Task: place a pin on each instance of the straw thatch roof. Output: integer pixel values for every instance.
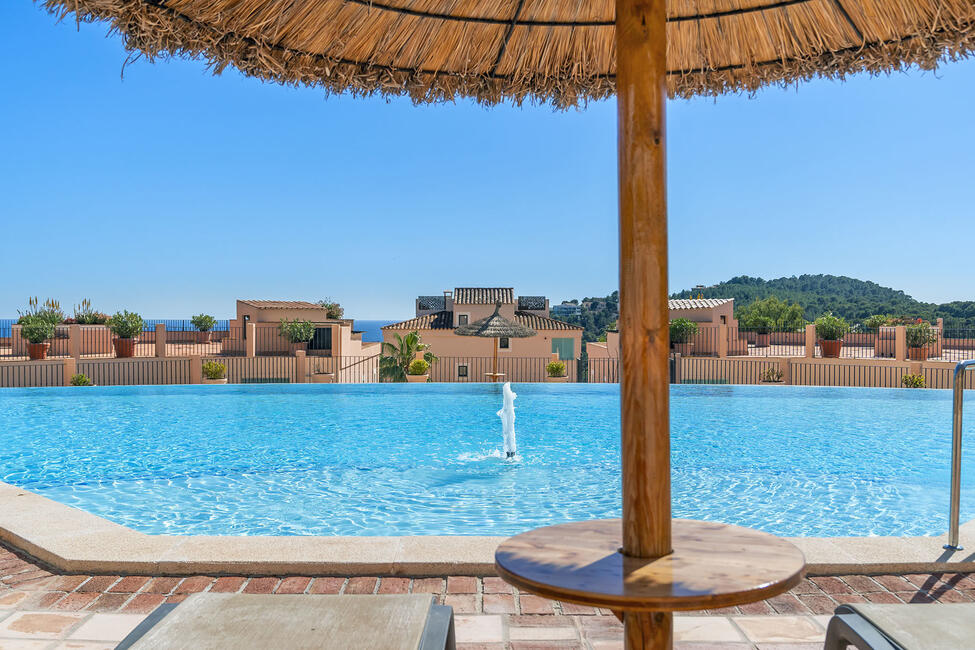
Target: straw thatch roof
(548, 50)
(495, 326)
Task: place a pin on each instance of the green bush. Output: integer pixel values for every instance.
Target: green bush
(555, 369)
(878, 320)
(784, 316)
(203, 322)
(36, 329)
(913, 381)
(682, 330)
(920, 334)
(418, 367)
(830, 327)
(214, 370)
(297, 331)
(84, 314)
(50, 311)
(772, 374)
(81, 379)
(332, 308)
(761, 324)
(126, 324)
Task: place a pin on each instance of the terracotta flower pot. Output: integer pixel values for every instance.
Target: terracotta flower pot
(124, 348)
(557, 380)
(37, 351)
(831, 349)
(684, 349)
(763, 340)
(918, 354)
(417, 379)
(214, 381)
(203, 337)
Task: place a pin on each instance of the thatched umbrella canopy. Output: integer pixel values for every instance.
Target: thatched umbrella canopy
(566, 52)
(495, 327)
(553, 50)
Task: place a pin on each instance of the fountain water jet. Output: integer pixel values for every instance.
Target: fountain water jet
(507, 415)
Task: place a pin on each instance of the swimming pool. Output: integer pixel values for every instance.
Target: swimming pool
(413, 459)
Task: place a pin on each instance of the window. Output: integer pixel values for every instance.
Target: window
(565, 348)
(724, 320)
(504, 343)
(462, 371)
(462, 320)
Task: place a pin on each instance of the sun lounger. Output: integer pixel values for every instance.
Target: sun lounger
(902, 627)
(233, 621)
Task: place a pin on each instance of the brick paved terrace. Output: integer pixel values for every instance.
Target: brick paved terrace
(42, 610)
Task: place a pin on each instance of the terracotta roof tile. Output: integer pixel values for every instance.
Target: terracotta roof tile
(483, 295)
(697, 303)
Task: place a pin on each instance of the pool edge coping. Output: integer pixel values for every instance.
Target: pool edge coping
(70, 540)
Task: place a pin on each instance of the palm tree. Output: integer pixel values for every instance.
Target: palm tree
(398, 356)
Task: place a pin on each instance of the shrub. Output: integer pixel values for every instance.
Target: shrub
(81, 379)
(36, 328)
(126, 324)
(555, 369)
(214, 370)
(878, 320)
(772, 374)
(50, 311)
(332, 308)
(913, 381)
(761, 324)
(920, 334)
(85, 315)
(297, 331)
(418, 367)
(682, 330)
(830, 327)
(203, 322)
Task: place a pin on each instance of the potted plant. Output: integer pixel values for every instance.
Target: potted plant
(920, 336)
(126, 326)
(772, 375)
(418, 371)
(214, 373)
(204, 324)
(682, 331)
(830, 331)
(555, 371)
(763, 326)
(37, 330)
(297, 332)
(84, 314)
(81, 379)
(397, 357)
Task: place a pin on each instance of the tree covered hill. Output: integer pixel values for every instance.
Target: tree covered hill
(850, 298)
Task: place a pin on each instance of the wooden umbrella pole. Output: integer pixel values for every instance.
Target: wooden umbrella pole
(641, 84)
(494, 367)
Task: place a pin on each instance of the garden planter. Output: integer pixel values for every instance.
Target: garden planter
(684, 349)
(295, 347)
(831, 349)
(37, 351)
(918, 354)
(214, 381)
(557, 380)
(323, 378)
(417, 379)
(124, 348)
(203, 337)
(763, 340)
(771, 382)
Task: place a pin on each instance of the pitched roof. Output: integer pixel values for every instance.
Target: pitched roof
(537, 322)
(483, 295)
(697, 303)
(441, 320)
(281, 304)
(531, 302)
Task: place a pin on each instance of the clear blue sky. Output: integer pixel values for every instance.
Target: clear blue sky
(173, 192)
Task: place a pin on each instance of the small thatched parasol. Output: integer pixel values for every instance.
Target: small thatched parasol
(567, 52)
(495, 327)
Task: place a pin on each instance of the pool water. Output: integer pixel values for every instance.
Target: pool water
(409, 459)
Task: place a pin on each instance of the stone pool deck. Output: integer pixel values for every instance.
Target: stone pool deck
(40, 609)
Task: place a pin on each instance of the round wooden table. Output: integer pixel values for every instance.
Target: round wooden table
(712, 565)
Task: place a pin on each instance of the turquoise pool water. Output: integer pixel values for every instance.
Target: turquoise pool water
(408, 459)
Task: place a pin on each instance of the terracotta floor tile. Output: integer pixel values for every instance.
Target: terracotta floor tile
(227, 584)
(761, 608)
(571, 609)
(361, 585)
(261, 586)
(461, 585)
(462, 603)
(98, 584)
(67, 583)
(293, 585)
(108, 603)
(816, 604)
(194, 585)
(129, 585)
(75, 601)
(326, 585)
(883, 597)
(492, 585)
(862, 584)
(499, 603)
(535, 604)
(428, 585)
(894, 583)
(161, 586)
(143, 603)
(394, 586)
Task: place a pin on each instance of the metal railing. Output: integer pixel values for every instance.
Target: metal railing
(957, 401)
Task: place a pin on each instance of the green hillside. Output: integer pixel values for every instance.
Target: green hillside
(850, 298)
